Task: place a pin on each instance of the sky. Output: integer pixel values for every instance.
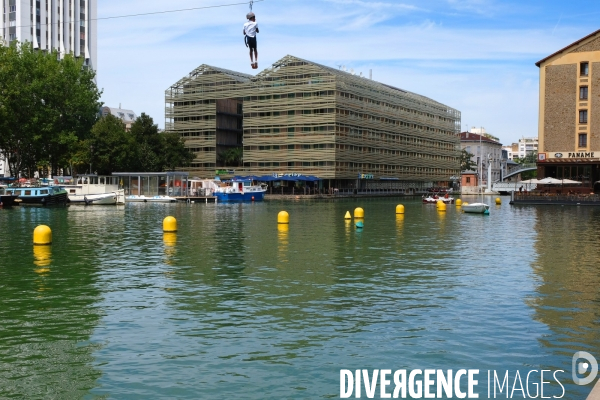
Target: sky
(477, 56)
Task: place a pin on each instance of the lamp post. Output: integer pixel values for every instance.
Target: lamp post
(91, 152)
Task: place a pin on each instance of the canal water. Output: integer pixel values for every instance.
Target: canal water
(233, 306)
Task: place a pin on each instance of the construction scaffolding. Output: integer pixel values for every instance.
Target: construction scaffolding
(301, 117)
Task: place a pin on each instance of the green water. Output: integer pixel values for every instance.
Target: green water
(233, 307)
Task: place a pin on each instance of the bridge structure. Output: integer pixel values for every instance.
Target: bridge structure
(522, 168)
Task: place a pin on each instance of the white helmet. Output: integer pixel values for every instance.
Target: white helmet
(250, 15)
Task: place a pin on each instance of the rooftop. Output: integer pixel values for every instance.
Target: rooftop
(474, 137)
(567, 47)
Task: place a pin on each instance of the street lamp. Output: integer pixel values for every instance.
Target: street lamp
(91, 151)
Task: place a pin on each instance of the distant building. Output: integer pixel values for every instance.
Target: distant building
(526, 146)
(300, 117)
(66, 26)
(569, 120)
(3, 166)
(469, 182)
(127, 116)
(483, 148)
(512, 151)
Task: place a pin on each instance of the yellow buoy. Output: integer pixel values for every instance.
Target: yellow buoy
(399, 209)
(359, 212)
(283, 217)
(42, 235)
(458, 202)
(441, 206)
(347, 216)
(169, 224)
(465, 204)
(498, 201)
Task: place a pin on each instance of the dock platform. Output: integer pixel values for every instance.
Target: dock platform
(197, 199)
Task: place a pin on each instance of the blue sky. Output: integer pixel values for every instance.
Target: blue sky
(477, 56)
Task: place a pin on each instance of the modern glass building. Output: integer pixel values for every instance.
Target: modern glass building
(300, 117)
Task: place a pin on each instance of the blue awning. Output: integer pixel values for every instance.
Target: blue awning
(287, 178)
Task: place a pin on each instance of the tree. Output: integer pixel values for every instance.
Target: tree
(530, 158)
(231, 157)
(175, 154)
(47, 105)
(110, 148)
(157, 151)
(466, 161)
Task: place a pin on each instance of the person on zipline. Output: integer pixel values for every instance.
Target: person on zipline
(250, 31)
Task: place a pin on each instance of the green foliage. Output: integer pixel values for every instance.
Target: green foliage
(466, 162)
(175, 154)
(530, 158)
(110, 148)
(157, 151)
(47, 106)
(231, 157)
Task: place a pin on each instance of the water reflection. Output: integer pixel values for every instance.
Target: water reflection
(169, 241)
(47, 312)
(42, 257)
(283, 242)
(231, 304)
(566, 297)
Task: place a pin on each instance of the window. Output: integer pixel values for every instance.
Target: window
(584, 69)
(583, 140)
(583, 93)
(468, 179)
(583, 116)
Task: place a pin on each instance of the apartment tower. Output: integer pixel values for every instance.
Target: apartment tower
(68, 26)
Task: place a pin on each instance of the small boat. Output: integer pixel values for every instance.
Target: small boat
(240, 190)
(94, 199)
(435, 199)
(475, 208)
(43, 196)
(149, 199)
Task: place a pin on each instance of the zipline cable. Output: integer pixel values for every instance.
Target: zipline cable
(148, 13)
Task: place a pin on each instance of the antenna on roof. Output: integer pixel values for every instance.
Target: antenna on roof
(340, 66)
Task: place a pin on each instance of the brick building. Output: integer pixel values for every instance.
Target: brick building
(569, 112)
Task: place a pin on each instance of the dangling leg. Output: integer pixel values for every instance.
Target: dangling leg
(251, 58)
(256, 58)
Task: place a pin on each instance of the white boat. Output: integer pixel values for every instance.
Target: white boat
(481, 207)
(92, 189)
(149, 199)
(475, 208)
(240, 190)
(96, 199)
(435, 199)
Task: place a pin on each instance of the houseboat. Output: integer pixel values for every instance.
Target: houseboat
(44, 195)
(6, 200)
(92, 189)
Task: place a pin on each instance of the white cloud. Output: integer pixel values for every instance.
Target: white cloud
(485, 70)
